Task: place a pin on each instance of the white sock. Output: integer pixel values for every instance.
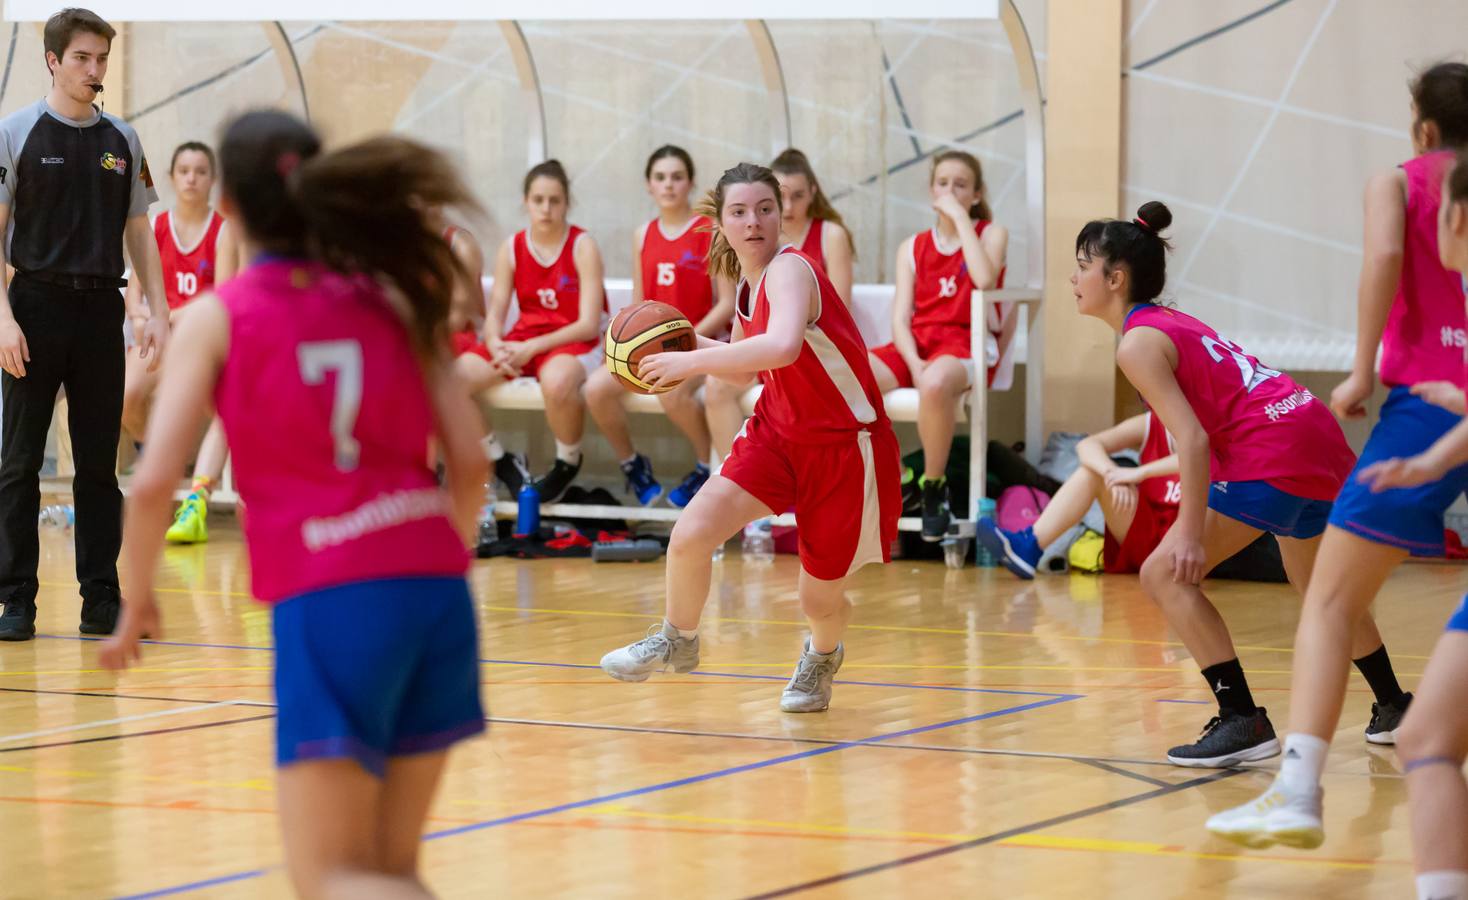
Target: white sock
(1442, 885)
(624, 463)
(1304, 760)
(569, 453)
(685, 635)
(492, 448)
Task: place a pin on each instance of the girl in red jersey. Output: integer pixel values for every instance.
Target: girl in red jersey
(198, 249)
(351, 539)
(818, 441)
(554, 272)
(811, 224)
(1139, 502)
(937, 271)
(669, 264)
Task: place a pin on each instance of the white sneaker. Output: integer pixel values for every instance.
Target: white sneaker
(1276, 816)
(661, 650)
(809, 689)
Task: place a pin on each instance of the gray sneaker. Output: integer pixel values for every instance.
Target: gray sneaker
(809, 689)
(661, 650)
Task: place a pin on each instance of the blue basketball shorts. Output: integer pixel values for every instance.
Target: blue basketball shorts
(1268, 508)
(1410, 518)
(376, 669)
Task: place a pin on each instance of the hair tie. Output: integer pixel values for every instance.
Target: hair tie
(287, 162)
(1142, 222)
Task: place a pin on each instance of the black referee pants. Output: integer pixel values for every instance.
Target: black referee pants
(75, 339)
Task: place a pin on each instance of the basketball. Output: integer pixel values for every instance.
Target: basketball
(643, 329)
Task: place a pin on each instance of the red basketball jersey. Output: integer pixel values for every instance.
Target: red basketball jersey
(549, 295)
(829, 391)
(941, 285)
(675, 270)
(813, 246)
(187, 272)
(1164, 490)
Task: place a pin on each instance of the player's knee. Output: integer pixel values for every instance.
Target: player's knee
(1156, 576)
(1420, 739)
(937, 385)
(719, 393)
(692, 536)
(820, 604)
(680, 401)
(603, 391)
(561, 388)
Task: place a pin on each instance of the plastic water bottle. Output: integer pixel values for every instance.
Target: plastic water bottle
(982, 557)
(759, 544)
(528, 520)
(62, 516)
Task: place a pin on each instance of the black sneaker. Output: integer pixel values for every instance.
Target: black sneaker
(640, 481)
(18, 623)
(1228, 740)
(936, 514)
(1386, 718)
(912, 495)
(99, 614)
(554, 484)
(512, 471)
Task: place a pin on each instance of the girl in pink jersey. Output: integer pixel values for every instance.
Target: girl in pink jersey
(1433, 739)
(1414, 308)
(669, 264)
(937, 272)
(1256, 452)
(819, 442)
(340, 323)
(812, 224)
(553, 271)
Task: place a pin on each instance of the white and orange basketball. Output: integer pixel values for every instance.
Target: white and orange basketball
(643, 329)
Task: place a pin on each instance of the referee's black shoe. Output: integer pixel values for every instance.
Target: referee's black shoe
(99, 614)
(18, 623)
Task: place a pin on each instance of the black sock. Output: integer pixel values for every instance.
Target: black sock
(1376, 668)
(1230, 687)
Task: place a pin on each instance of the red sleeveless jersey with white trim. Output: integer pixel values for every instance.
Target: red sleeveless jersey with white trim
(186, 273)
(549, 296)
(1164, 490)
(675, 270)
(813, 245)
(941, 284)
(829, 391)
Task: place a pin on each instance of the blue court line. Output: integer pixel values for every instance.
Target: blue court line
(649, 789)
(703, 674)
(1198, 702)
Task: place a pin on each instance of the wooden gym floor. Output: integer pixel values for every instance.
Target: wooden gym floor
(988, 737)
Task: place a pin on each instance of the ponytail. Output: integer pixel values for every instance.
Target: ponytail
(794, 162)
(361, 209)
(723, 262)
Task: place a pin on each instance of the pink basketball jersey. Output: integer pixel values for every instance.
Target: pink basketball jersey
(1427, 328)
(829, 391)
(329, 421)
(1261, 425)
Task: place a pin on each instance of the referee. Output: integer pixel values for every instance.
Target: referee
(73, 188)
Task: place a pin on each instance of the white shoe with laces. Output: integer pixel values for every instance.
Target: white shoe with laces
(1277, 816)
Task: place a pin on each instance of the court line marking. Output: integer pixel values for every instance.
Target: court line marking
(1101, 845)
(996, 837)
(649, 789)
(1117, 770)
(121, 720)
(133, 734)
(912, 629)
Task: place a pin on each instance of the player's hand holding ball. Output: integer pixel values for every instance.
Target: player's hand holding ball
(647, 347)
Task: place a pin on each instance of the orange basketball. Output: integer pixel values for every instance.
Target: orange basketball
(643, 329)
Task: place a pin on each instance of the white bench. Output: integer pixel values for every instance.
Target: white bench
(872, 308)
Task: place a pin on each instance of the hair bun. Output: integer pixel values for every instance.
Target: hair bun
(1154, 216)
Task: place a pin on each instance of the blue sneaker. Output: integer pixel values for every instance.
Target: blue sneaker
(640, 481)
(682, 495)
(1017, 550)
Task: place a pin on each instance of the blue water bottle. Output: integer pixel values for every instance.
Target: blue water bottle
(982, 557)
(527, 522)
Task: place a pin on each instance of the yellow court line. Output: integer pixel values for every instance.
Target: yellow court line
(254, 784)
(1098, 845)
(143, 669)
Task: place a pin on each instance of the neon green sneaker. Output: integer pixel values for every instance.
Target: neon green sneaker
(189, 525)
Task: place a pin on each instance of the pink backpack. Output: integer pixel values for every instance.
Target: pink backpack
(1019, 506)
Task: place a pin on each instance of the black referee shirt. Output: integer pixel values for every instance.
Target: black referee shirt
(71, 186)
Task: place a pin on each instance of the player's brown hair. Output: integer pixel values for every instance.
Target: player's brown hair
(723, 262)
(361, 209)
(794, 162)
(980, 210)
